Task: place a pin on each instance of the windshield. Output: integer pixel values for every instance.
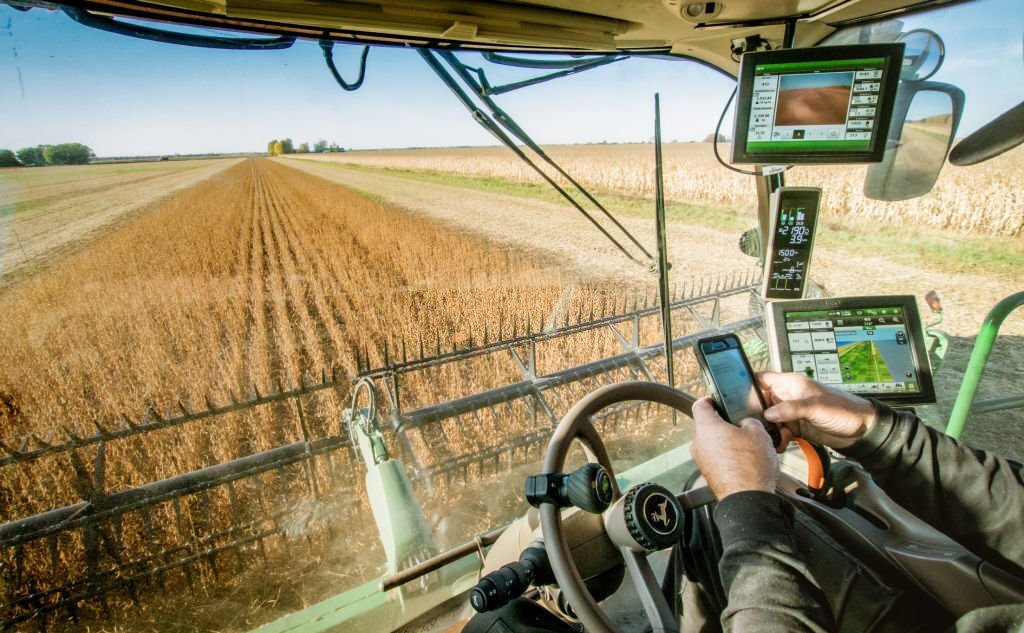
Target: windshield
(203, 252)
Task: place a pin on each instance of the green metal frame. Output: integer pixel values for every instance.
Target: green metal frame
(976, 367)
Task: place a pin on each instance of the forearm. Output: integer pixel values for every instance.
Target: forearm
(974, 497)
(768, 586)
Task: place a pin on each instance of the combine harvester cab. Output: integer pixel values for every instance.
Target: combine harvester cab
(477, 493)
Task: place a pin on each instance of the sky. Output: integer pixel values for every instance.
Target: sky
(63, 82)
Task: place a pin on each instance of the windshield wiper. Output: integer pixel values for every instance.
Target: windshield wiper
(138, 31)
(500, 125)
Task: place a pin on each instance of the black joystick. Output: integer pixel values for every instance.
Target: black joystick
(499, 587)
(588, 488)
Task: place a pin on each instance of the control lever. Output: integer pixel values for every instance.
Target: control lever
(587, 488)
(499, 587)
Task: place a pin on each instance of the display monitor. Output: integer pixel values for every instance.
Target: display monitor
(816, 105)
(870, 346)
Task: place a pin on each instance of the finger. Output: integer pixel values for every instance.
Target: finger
(790, 411)
(750, 423)
(754, 428)
(773, 380)
(785, 437)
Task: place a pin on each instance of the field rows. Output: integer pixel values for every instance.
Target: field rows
(256, 276)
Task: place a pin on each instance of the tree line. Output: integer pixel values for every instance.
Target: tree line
(285, 146)
(42, 155)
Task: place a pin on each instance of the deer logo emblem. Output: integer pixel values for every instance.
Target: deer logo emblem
(661, 516)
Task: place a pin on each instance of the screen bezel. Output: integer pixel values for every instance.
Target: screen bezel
(893, 54)
(915, 333)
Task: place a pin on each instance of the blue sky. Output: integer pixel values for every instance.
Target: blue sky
(60, 81)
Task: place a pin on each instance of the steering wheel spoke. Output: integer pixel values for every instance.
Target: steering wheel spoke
(659, 612)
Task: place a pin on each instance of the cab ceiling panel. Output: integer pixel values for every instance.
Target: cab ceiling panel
(503, 23)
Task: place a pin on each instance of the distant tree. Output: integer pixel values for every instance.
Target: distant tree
(47, 151)
(8, 159)
(722, 138)
(278, 148)
(334, 147)
(320, 146)
(287, 147)
(270, 147)
(303, 148)
(31, 156)
(68, 154)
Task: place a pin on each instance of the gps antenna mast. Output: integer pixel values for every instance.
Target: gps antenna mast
(663, 265)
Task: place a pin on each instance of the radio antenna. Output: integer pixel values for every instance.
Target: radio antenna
(663, 265)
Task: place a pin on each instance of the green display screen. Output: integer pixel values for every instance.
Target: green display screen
(825, 106)
(861, 350)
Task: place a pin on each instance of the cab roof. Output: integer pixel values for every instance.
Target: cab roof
(700, 30)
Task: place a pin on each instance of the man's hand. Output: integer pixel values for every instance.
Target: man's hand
(807, 409)
(732, 459)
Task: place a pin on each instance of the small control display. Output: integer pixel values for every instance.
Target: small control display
(794, 222)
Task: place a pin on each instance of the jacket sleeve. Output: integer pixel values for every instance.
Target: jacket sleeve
(975, 498)
(768, 586)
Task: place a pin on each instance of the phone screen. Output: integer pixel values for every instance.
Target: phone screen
(736, 390)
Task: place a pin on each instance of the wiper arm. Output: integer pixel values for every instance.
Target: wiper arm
(498, 121)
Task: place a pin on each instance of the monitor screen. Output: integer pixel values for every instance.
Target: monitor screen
(816, 105)
(871, 346)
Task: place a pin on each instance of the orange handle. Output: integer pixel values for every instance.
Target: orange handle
(815, 469)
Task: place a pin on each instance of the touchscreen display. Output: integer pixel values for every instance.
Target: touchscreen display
(827, 105)
(735, 385)
(862, 350)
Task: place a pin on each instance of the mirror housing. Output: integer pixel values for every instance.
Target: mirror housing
(916, 147)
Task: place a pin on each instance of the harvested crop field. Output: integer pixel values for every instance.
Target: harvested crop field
(47, 213)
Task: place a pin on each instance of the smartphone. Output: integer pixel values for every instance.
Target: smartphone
(731, 381)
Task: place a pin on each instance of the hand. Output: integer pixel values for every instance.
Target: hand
(807, 409)
(732, 459)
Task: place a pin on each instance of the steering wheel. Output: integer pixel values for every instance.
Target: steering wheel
(630, 530)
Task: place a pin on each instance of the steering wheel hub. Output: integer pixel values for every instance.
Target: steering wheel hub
(653, 517)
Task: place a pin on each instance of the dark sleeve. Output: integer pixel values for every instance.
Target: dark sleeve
(975, 498)
(768, 586)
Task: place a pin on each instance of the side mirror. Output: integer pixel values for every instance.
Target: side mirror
(924, 122)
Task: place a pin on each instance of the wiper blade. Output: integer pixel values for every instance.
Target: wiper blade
(498, 121)
(138, 31)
